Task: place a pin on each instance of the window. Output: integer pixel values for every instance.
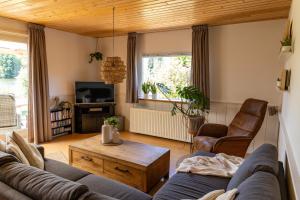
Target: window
(173, 71)
(14, 78)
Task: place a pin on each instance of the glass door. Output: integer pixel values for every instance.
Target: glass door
(13, 86)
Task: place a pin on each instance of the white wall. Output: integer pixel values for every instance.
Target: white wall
(244, 59)
(68, 56)
(291, 103)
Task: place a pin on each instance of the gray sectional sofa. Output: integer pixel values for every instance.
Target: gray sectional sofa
(259, 178)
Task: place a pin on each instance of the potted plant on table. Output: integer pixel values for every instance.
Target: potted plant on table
(192, 105)
(146, 89)
(114, 123)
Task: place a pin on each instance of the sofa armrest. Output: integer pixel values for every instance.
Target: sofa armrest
(213, 130)
(41, 149)
(232, 145)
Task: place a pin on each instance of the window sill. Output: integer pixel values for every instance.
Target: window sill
(159, 100)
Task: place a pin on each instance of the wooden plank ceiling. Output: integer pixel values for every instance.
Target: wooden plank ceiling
(94, 17)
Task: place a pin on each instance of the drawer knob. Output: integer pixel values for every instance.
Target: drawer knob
(122, 170)
(87, 158)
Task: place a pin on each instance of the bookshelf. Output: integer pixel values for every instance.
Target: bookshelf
(61, 121)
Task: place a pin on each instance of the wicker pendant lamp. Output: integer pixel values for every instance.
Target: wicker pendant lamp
(113, 69)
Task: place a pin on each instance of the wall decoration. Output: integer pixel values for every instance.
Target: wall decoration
(283, 82)
(286, 42)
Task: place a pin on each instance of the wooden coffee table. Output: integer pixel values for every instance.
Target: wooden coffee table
(139, 165)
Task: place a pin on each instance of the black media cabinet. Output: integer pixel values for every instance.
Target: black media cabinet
(90, 117)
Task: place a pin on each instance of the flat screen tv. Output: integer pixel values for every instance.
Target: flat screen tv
(94, 92)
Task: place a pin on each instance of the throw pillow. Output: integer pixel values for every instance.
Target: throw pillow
(212, 195)
(32, 154)
(14, 149)
(229, 195)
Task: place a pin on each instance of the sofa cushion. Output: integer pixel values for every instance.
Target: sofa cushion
(14, 149)
(261, 185)
(190, 186)
(95, 196)
(8, 193)
(63, 170)
(39, 184)
(32, 154)
(263, 158)
(112, 188)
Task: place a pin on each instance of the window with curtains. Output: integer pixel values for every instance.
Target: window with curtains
(14, 82)
(171, 70)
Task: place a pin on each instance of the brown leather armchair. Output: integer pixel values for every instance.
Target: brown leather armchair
(234, 139)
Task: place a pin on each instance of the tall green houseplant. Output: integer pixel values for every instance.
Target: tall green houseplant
(192, 105)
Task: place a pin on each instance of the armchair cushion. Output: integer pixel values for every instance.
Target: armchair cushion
(263, 158)
(204, 143)
(213, 130)
(232, 145)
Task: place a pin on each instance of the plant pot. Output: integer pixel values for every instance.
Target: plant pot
(195, 122)
(286, 48)
(154, 96)
(146, 96)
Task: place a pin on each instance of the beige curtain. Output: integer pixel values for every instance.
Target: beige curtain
(39, 115)
(131, 81)
(200, 59)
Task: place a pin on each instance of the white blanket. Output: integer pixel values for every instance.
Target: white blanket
(221, 165)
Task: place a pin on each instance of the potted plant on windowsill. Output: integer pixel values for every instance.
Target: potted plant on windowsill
(146, 89)
(153, 90)
(192, 105)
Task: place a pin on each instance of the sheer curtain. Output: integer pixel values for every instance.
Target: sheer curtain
(39, 115)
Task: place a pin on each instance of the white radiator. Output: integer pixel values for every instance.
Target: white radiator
(161, 124)
(158, 123)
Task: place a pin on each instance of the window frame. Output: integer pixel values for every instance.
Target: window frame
(140, 78)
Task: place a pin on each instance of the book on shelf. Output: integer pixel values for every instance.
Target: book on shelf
(66, 122)
(61, 121)
(60, 114)
(60, 130)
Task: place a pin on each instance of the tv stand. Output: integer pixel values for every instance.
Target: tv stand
(89, 117)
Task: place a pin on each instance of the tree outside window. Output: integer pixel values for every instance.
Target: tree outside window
(173, 71)
(14, 76)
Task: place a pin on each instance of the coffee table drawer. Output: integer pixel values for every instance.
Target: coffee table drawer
(87, 162)
(123, 173)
